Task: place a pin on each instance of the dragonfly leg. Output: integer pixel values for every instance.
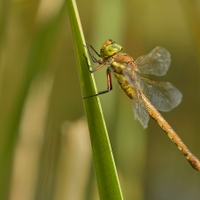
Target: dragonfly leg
(109, 85)
(95, 60)
(93, 49)
(96, 68)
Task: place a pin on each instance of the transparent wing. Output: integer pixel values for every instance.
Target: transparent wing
(140, 111)
(133, 78)
(163, 95)
(157, 62)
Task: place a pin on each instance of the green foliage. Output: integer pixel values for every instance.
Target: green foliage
(108, 183)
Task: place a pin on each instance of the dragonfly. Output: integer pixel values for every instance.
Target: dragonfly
(148, 96)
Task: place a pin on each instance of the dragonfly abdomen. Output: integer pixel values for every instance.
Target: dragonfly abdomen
(128, 89)
(192, 159)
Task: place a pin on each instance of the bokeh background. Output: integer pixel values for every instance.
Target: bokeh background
(45, 149)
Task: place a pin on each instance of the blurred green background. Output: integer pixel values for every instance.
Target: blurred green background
(45, 149)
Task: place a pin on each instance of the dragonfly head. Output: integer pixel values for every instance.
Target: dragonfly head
(109, 48)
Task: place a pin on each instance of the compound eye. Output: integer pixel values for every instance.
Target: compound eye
(111, 49)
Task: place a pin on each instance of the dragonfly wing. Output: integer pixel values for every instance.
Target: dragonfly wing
(139, 109)
(157, 62)
(163, 95)
(133, 77)
(140, 112)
